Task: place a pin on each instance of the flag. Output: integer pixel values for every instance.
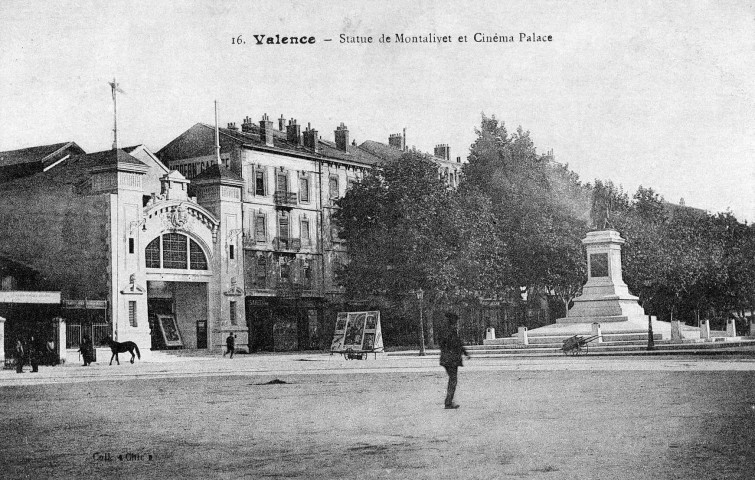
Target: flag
(115, 86)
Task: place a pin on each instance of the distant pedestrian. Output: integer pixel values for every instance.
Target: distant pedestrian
(230, 344)
(87, 349)
(51, 355)
(20, 356)
(33, 355)
(451, 351)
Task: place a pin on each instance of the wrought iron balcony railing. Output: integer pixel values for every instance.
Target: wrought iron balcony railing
(285, 199)
(287, 244)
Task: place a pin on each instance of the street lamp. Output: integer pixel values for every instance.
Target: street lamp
(420, 295)
(651, 341)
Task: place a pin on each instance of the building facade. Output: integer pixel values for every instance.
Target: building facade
(178, 249)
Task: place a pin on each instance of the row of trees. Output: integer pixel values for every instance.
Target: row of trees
(515, 224)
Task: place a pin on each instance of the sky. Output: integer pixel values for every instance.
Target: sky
(658, 94)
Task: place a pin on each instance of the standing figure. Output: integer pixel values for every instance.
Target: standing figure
(51, 355)
(33, 355)
(230, 344)
(19, 356)
(451, 351)
(86, 350)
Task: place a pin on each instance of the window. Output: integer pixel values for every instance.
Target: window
(260, 232)
(285, 270)
(304, 189)
(259, 182)
(130, 245)
(174, 250)
(198, 260)
(307, 273)
(281, 184)
(283, 226)
(261, 271)
(152, 253)
(230, 252)
(132, 314)
(249, 178)
(232, 312)
(305, 231)
(333, 184)
(351, 183)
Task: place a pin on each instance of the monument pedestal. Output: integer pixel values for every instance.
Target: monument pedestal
(606, 301)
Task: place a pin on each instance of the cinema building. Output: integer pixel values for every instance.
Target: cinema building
(178, 249)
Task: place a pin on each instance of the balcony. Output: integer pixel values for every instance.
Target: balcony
(286, 244)
(294, 290)
(285, 199)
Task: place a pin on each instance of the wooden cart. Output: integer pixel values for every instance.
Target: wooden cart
(577, 345)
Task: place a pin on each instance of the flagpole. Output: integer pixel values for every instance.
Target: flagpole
(217, 135)
(115, 115)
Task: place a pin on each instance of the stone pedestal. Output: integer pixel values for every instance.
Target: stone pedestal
(2, 340)
(522, 336)
(605, 297)
(676, 331)
(731, 328)
(705, 329)
(490, 334)
(606, 301)
(597, 331)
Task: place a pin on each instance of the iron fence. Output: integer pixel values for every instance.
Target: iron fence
(96, 331)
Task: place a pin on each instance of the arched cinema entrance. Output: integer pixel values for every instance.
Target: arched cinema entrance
(179, 273)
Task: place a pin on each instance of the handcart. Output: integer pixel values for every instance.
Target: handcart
(577, 345)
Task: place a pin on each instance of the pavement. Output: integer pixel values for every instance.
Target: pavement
(316, 416)
(198, 364)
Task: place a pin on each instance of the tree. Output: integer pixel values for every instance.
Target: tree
(406, 232)
(540, 208)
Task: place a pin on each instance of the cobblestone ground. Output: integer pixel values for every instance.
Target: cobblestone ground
(560, 418)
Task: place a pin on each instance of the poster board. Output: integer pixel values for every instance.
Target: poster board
(170, 331)
(358, 332)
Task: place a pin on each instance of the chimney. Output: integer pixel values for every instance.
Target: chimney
(246, 125)
(342, 137)
(293, 132)
(394, 140)
(397, 140)
(311, 139)
(232, 126)
(282, 124)
(443, 151)
(266, 131)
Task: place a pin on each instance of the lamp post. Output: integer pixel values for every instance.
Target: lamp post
(420, 295)
(651, 340)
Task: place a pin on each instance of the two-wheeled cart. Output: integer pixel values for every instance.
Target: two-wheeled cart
(577, 345)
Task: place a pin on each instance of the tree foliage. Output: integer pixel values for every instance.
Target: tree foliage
(517, 220)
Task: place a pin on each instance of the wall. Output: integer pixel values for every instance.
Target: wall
(60, 233)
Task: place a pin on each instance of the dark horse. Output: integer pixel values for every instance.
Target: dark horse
(121, 347)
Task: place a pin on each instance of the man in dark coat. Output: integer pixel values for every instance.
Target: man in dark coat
(87, 350)
(451, 351)
(34, 355)
(230, 344)
(20, 356)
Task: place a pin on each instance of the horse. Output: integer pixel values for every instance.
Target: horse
(121, 347)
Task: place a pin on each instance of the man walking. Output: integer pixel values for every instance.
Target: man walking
(230, 344)
(451, 351)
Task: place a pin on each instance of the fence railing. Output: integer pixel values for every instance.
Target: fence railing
(96, 331)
